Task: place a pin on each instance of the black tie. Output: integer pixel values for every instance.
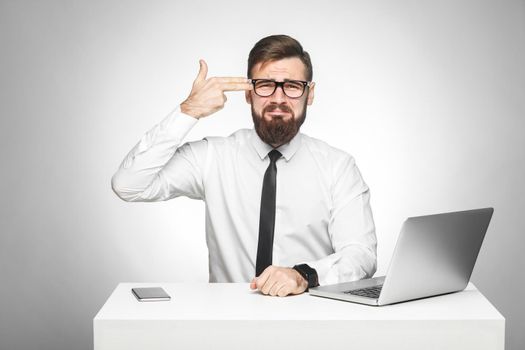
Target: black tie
(267, 218)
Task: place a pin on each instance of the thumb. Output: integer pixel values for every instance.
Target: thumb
(203, 71)
(253, 285)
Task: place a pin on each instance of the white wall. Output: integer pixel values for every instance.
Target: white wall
(429, 96)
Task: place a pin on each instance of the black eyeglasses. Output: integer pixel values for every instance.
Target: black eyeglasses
(291, 88)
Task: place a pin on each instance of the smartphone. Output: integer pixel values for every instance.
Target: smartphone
(150, 294)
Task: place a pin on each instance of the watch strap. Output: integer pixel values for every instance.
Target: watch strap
(308, 273)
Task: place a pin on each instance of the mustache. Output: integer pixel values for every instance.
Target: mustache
(275, 106)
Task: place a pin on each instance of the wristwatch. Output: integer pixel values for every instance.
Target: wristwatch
(309, 274)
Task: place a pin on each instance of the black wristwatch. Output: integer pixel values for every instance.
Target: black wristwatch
(309, 274)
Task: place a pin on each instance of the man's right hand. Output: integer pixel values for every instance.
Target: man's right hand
(207, 95)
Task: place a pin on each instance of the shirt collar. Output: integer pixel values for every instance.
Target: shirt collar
(287, 150)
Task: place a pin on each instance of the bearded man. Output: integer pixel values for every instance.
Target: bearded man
(284, 211)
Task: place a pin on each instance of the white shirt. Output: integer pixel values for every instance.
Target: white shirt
(323, 216)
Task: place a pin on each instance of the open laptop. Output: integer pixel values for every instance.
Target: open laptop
(434, 255)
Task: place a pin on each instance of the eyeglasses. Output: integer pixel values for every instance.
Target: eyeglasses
(291, 88)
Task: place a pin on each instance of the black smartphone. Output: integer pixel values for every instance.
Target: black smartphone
(150, 294)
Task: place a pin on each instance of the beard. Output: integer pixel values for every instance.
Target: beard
(278, 130)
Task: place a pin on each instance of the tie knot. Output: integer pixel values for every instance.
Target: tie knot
(274, 155)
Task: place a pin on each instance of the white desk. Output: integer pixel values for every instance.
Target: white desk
(231, 316)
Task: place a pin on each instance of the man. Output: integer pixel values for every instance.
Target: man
(283, 210)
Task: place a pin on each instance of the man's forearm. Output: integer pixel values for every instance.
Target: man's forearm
(349, 264)
(137, 178)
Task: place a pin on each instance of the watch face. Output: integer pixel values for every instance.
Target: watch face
(312, 281)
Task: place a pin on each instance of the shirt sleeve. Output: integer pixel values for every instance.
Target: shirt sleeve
(351, 229)
(157, 169)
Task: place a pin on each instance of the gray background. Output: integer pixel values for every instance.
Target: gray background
(429, 96)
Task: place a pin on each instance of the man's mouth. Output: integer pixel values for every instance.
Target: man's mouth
(278, 113)
(275, 111)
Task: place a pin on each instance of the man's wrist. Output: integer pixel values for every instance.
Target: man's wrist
(302, 283)
(186, 109)
(309, 275)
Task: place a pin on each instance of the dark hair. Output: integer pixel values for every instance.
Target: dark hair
(276, 47)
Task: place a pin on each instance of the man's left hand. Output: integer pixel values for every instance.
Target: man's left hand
(279, 281)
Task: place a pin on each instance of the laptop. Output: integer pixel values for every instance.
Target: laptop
(434, 255)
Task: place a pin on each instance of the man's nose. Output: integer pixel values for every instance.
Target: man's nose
(279, 96)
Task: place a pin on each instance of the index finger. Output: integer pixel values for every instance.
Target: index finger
(236, 86)
(232, 79)
(233, 83)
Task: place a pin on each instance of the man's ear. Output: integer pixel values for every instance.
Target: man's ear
(311, 94)
(248, 97)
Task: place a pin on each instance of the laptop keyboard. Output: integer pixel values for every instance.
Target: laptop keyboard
(370, 292)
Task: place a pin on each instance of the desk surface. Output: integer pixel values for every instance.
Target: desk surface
(235, 301)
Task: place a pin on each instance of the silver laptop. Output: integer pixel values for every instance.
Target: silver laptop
(434, 255)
